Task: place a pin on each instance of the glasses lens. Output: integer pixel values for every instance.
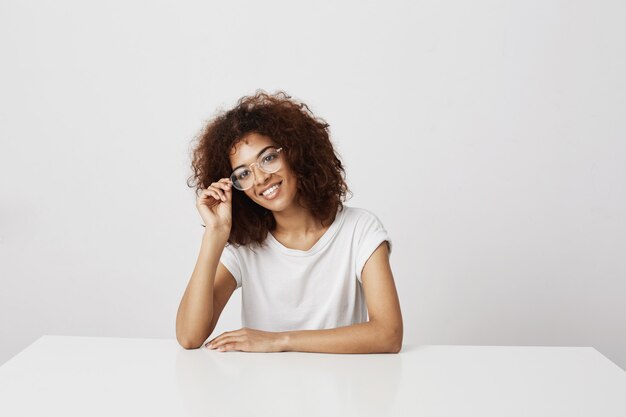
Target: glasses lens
(270, 162)
(242, 178)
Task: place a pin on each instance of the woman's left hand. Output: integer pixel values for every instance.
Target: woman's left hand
(248, 340)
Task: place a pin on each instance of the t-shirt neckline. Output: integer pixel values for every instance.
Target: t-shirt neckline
(319, 245)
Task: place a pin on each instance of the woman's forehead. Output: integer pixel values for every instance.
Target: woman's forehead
(246, 150)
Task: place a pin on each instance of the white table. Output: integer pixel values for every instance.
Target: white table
(91, 376)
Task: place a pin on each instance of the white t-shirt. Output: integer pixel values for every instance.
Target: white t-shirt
(289, 289)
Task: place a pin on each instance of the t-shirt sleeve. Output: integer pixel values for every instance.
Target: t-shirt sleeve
(371, 233)
(230, 260)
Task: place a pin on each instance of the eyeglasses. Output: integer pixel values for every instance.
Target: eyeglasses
(270, 161)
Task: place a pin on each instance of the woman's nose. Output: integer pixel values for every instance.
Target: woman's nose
(260, 176)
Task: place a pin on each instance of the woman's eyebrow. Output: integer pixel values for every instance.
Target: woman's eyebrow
(257, 155)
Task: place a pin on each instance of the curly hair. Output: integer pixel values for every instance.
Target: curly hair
(309, 153)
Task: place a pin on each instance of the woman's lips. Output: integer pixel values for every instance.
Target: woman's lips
(275, 193)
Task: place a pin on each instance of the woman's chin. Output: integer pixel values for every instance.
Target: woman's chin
(277, 204)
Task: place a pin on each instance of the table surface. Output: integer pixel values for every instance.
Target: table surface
(98, 376)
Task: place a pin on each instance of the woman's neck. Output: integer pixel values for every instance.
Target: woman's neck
(296, 222)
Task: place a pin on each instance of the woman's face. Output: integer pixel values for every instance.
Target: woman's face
(247, 152)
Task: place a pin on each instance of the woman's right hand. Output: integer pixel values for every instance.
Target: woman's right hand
(215, 205)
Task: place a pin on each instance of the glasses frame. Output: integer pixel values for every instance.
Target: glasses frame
(258, 164)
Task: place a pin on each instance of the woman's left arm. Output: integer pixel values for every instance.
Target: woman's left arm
(381, 334)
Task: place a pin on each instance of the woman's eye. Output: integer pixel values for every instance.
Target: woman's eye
(268, 158)
(243, 175)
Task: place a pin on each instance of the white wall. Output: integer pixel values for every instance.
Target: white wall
(488, 136)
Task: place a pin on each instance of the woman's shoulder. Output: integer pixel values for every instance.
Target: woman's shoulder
(359, 214)
(368, 229)
(361, 221)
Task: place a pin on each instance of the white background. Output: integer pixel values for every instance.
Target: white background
(488, 136)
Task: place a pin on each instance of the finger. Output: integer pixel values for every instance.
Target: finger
(213, 194)
(223, 338)
(231, 339)
(221, 194)
(223, 188)
(233, 345)
(224, 182)
(218, 337)
(222, 185)
(218, 341)
(229, 347)
(217, 193)
(228, 183)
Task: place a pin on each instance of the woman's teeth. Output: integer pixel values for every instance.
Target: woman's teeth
(271, 191)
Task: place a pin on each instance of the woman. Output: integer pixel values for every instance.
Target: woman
(308, 265)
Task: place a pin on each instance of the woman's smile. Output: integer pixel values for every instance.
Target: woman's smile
(272, 192)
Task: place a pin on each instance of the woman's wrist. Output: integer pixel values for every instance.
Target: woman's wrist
(283, 341)
(216, 233)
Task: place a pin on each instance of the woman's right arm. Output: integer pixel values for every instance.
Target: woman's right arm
(194, 320)
(195, 313)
